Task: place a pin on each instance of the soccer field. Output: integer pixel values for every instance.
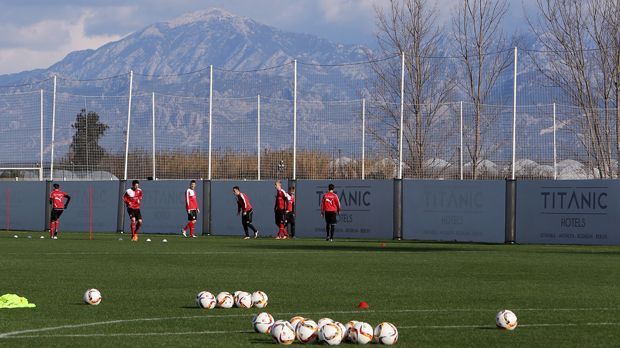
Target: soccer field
(436, 294)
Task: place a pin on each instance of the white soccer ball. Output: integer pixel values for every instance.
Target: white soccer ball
(361, 333)
(295, 321)
(148, 239)
(307, 331)
(386, 333)
(324, 321)
(260, 299)
(262, 322)
(331, 334)
(506, 320)
(282, 333)
(243, 299)
(205, 300)
(225, 300)
(343, 330)
(92, 297)
(348, 327)
(164, 241)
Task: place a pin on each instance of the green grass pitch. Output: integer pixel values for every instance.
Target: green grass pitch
(437, 294)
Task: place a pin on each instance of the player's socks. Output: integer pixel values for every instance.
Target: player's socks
(133, 230)
(52, 224)
(56, 227)
(191, 229)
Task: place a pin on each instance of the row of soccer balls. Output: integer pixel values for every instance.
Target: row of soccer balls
(206, 300)
(325, 331)
(239, 299)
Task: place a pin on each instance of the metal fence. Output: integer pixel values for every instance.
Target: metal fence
(297, 120)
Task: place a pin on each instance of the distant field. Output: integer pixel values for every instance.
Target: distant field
(436, 294)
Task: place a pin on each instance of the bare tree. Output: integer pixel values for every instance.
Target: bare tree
(581, 41)
(411, 27)
(483, 53)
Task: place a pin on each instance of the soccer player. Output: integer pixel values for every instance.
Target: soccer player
(191, 205)
(245, 209)
(290, 216)
(132, 198)
(279, 208)
(57, 200)
(330, 208)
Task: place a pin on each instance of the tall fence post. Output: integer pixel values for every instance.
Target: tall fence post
(258, 137)
(514, 118)
(210, 115)
(555, 149)
(53, 131)
(511, 212)
(364, 139)
(461, 141)
(397, 233)
(206, 208)
(295, 119)
(120, 211)
(153, 132)
(41, 141)
(128, 124)
(402, 116)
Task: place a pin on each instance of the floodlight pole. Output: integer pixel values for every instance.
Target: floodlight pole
(53, 131)
(364, 139)
(514, 118)
(295, 120)
(153, 133)
(41, 141)
(210, 115)
(402, 116)
(461, 140)
(555, 149)
(258, 136)
(128, 124)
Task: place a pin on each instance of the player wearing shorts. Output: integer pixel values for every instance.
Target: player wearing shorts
(132, 199)
(191, 206)
(290, 216)
(330, 209)
(57, 200)
(245, 209)
(280, 211)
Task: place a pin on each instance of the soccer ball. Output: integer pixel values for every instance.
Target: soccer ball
(343, 330)
(361, 333)
(283, 333)
(348, 327)
(262, 322)
(225, 300)
(205, 300)
(243, 299)
(92, 297)
(295, 321)
(506, 320)
(307, 331)
(386, 333)
(324, 321)
(259, 299)
(331, 333)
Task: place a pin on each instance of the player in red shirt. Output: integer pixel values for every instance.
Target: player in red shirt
(330, 208)
(245, 209)
(132, 199)
(290, 216)
(57, 200)
(279, 208)
(191, 206)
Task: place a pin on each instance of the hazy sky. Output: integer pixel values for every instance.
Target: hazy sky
(38, 33)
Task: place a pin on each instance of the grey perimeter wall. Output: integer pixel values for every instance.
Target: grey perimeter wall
(549, 212)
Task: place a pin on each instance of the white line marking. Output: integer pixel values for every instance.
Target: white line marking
(247, 331)
(12, 334)
(492, 326)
